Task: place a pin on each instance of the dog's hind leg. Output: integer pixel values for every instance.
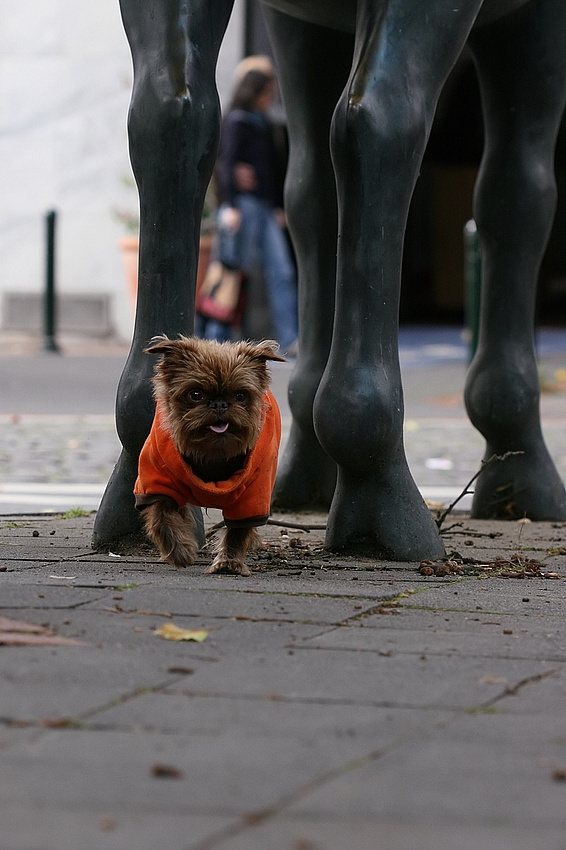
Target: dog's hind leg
(232, 550)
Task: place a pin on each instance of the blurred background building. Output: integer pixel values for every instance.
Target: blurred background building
(65, 80)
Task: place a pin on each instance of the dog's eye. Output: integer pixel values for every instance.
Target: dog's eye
(196, 395)
(240, 396)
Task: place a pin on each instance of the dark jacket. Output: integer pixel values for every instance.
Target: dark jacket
(248, 137)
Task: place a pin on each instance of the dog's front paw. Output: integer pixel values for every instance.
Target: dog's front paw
(180, 555)
(228, 565)
(171, 530)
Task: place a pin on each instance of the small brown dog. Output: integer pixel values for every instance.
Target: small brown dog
(213, 443)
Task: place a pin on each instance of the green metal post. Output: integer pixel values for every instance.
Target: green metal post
(49, 305)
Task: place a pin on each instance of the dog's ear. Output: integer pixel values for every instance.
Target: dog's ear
(163, 345)
(265, 350)
(159, 345)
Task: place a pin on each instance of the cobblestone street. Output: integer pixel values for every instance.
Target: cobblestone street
(58, 443)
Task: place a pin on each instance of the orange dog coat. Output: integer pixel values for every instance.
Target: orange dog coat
(244, 498)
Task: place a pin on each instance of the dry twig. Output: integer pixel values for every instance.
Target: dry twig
(466, 491)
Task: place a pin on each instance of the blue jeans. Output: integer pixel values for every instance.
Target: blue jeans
(212, 329)
(260, 242)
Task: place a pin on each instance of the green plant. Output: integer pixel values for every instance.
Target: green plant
(126, 216)
(130, 219)
(75, 512)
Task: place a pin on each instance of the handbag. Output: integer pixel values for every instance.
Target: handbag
(219, 295)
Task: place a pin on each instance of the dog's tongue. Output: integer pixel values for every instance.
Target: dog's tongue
(219, 428)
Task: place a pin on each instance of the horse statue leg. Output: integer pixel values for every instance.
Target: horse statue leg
(521, 63)
(314, 64)
(174, 126)
(380, 129)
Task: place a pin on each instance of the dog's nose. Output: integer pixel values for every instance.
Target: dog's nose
(219, 405)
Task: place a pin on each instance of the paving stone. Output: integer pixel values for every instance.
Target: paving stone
(219, 774)
(317, 723)
(132, 631)
(492, 638)
(40, 684)
(257, 604)
(364, 677)
(464, 772)
(387, 833)
(45, 597)
(496, 596)
(113, 828)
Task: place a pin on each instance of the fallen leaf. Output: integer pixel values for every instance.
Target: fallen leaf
(155, 613)
(18, 633)
(304, 844)
(56, 722)
(7, 625)
(166, 771)
(172, 632)
(254, 817)
(22, 639)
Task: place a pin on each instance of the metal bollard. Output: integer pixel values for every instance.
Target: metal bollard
(49, 304)
(472, 284)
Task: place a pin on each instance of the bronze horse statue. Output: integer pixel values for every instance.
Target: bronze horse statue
(365, 75)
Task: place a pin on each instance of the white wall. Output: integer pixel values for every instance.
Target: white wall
(65, 79)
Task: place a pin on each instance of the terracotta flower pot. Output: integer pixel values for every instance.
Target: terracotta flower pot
(129, 245)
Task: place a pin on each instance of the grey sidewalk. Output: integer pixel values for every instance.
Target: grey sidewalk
(334, 704)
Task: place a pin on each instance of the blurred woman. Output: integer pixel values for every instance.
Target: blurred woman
(251, 222)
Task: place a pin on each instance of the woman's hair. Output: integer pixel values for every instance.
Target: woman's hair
(253, 63)
(252, 84)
